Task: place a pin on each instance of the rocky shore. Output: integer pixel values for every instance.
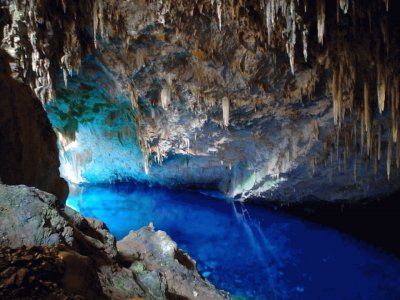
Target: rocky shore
(52, 252)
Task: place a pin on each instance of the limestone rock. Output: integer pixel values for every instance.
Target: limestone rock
(66, 255)
(158, 262)
(28, 149)
(29, 217)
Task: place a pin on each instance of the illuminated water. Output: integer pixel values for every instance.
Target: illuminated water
(251, 252)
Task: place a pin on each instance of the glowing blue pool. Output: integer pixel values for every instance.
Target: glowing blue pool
(251, 252)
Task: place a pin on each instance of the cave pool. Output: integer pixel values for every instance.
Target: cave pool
(249, 251)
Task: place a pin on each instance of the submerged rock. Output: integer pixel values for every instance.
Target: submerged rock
(71, 256)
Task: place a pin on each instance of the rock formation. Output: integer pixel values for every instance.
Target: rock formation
(28, 149)
(259, 98)
(52, 253)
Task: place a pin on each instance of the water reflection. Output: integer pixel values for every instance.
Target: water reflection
(251, 252)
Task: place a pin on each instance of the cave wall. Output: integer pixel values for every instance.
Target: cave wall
(275, 99)
(28, 144)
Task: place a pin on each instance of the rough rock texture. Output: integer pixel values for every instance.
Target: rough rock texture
(156, 258)
(27, 222)
(279, 99)
(47, 273)
(28, 150)
(51, 253)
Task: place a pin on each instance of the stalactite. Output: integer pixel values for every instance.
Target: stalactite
(291, 42)
(225, 111)
(282, 23)
(362, 122)
(64, 5)
(354, 137)
(376, 161)
(346, 149)
(381, 86)
(337, 96)
(367, 112)
(219, 13)
(369, 143)
(389, 158)
(394, 109)
(313, 165)
(133, 97)
(386, 4)
(305, 44)
(165, 97)
(146, 166)
(287, 10)
(65, 76)
(158, 157)
(398, 151)
(379, 141)
(355, 169)
(315, 129)
(95, 22)
(344, 5)
(321, 20)
(337, 143)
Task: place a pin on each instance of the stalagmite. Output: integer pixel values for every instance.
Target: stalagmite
(225, 111)
(321, 20)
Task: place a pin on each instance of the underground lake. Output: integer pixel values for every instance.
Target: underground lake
(250, 251)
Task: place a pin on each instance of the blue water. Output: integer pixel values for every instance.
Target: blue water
(249, 251)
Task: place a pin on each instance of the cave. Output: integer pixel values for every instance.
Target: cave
(205, 149)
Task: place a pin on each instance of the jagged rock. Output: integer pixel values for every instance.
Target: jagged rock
(162, 267)
(29, 217)
(66, 256)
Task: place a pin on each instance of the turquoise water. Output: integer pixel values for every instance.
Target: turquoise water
(249, 251)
